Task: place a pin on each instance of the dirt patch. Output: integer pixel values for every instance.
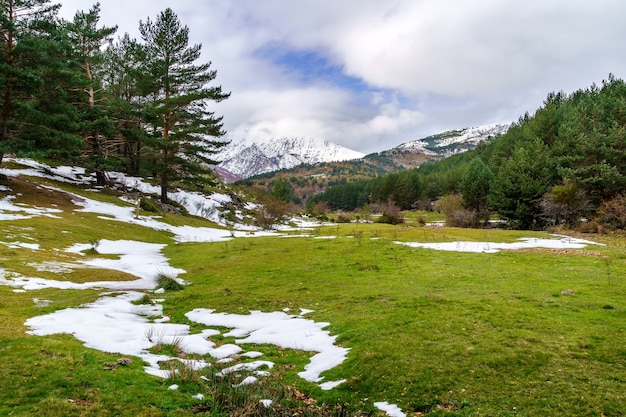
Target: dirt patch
(577, 252)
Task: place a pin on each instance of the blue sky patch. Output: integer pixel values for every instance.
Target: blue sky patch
(310, 67)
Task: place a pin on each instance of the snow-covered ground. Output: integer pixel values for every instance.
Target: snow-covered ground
(560, 242)
(114, 323)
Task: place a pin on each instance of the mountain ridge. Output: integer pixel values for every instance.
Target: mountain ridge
(243, 159)
(248, 158)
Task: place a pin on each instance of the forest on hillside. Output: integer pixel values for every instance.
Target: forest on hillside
(563, 165)
(70, 91)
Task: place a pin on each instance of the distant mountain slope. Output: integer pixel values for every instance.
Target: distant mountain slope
(308, 179)
(319, 162)
(243, 159)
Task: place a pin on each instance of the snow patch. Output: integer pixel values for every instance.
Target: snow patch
(564, 242)
(392, 410)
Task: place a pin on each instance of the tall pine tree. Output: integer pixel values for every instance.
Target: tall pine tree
(185, 132)
(86, 39)
(36, 115)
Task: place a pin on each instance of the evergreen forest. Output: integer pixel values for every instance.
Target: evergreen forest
(564, 165)
(72, 91)
(78, 91)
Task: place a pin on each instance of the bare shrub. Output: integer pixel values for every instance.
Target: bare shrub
(464, 218)
(458, 216)
(564, 205)
(612, 213)
(271, 211)
(391, 214)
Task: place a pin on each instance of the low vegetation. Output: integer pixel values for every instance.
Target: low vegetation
(533, 332)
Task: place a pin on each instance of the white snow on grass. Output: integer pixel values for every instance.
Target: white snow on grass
(72, 175)
(392, 410)
(280, 329)
(140, 259)
(115, 324)
(20, 245)
(12, 211)
(562, 242)
(127, 214)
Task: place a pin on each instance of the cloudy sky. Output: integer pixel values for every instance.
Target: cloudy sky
(371, 74)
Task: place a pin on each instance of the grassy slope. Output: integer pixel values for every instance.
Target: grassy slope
(438, 332)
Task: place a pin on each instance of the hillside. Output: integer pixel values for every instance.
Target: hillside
(109, 309)
(308, 179)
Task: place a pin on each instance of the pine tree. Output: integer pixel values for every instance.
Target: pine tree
(87, 39)
(184, 130)
(36, 115)
(121, 74)
(521, 183)
(475, 187)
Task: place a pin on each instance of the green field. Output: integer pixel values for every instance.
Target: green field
(527, 333)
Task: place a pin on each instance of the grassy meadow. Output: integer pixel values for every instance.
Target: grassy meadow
(518, 333)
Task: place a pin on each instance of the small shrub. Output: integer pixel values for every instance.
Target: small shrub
(168, 283)
(391, 214)
(463, 218)
(148, 205)
(612, 213)
(589, 227)
(93, 250)
(146, 299)
(342, 218)
(564, 205)
(271, 211)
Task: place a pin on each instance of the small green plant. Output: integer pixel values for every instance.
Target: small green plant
(168, 283)
(146, 299)
(93, 250)
(148, 205)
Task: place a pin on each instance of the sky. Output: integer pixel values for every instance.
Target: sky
(371, 74)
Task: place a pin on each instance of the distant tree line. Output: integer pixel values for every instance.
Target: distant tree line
(564, 164)
(69, 90)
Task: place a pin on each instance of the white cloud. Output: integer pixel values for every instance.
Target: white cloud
(454, 63)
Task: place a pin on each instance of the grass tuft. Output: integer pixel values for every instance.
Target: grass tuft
(168, 283)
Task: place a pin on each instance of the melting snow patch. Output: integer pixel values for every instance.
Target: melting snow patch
(326, 386)
(280, 329)
(564, 242)
(20, 245)
(247, 381)
(392, 410)
(252, 355)
(143, 260)
(11, 211)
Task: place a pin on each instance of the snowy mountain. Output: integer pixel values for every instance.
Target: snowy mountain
(242, 159)
(413, 153)
(452, 141)
(245, 158)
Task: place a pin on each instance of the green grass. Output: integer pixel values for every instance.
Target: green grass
(439, 333)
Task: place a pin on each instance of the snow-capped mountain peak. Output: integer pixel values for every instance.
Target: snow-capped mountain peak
(453, 141)
(245, 158)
